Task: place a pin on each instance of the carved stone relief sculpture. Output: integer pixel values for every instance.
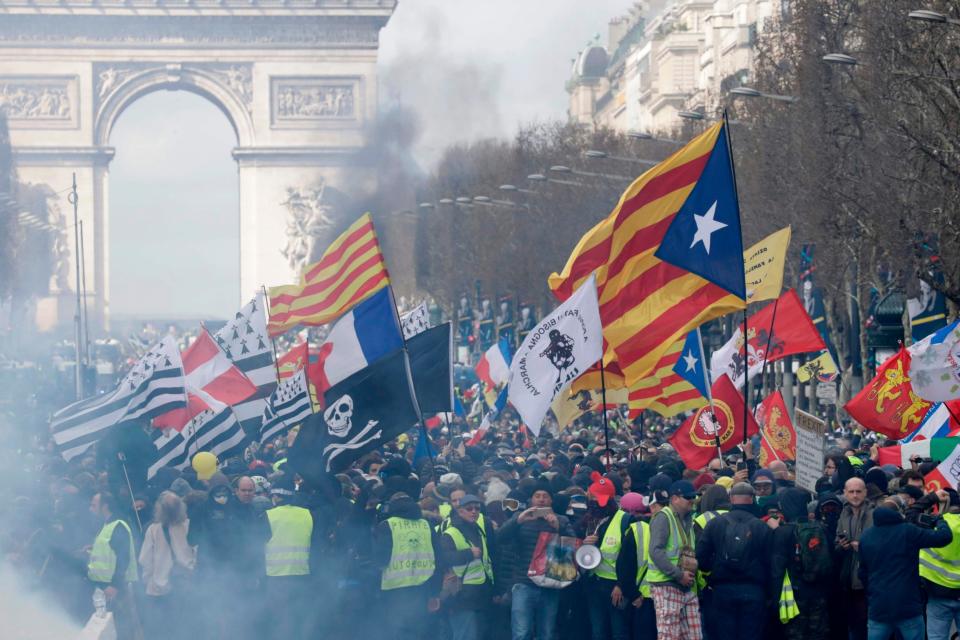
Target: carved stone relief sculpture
(309, 221)
(36, 98)
(296, 100)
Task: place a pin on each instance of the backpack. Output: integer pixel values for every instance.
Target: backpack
(812, 553)
(737, 538)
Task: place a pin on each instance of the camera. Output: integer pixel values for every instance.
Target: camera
(925, 520)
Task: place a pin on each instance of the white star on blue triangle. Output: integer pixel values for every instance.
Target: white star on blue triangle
(704, 236)
(689, 366)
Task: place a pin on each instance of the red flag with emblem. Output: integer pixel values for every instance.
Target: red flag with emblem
(696, 440)
(888, 405)
(779, 437)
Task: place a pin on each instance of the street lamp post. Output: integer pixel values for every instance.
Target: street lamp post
(926, 15)
(594, 154)
(643, 135)
(559, 168)
(750, 92)
(840, 58)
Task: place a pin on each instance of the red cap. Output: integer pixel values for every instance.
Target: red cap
(601, 489)
(702, 480)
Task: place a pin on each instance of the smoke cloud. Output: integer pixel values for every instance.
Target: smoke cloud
(454, 95)
(28, 615)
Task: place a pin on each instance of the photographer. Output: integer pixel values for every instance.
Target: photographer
(940, 573)
(888, 566)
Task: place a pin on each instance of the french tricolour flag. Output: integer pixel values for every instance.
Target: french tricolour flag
(493, 370)
(359, 338)
(936, 424)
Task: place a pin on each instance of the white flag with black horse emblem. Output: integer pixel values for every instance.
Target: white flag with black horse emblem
(562, 346)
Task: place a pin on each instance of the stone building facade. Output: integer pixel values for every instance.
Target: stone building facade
(666, 56)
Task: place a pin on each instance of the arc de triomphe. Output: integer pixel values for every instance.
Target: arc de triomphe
(296, 79)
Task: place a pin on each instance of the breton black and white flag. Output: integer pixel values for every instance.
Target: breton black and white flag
(245, 341)
(363, 412)
(219, 433)
(288, 406)
(153, 386)
(415, 321)
(431, 365)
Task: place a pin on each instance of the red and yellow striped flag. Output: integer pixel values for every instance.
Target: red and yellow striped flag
(667, 259)
(665, 391)
(350, 270)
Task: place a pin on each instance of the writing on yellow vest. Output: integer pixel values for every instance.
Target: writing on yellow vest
(942, 565)
(610, 548)
(412, 561)
(287, 552)
(103, 561)
(675, 542)
(641, 533)
(478, 570)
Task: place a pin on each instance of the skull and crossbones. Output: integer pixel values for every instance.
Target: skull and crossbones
(339, 420)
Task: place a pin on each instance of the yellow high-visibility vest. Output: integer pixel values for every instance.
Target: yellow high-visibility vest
(942, 565)
(641, 533)
(103, 561)
(287, 552)
(610, 548)
(788, 604)
(704, 518)
(412, 561)
(675, 541)
(477, 570)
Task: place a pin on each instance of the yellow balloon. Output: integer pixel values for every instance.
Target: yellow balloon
(205, 464)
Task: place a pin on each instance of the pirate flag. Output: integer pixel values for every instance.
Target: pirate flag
(363, 412)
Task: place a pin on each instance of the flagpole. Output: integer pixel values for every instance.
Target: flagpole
(766, 350)
(273, 341)
(603, 411)
(736, 193)
(709, 389)
(410, 385)
(73, 198)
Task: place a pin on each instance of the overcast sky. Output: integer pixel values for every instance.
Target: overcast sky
(469, 69)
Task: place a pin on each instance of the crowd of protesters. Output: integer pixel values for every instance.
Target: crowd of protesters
(441, 546)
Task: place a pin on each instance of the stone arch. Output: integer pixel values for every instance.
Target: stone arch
(231, 97)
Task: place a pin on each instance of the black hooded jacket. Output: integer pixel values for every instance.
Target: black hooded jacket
(889, 563)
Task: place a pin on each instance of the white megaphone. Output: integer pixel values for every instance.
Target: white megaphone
(587, 557)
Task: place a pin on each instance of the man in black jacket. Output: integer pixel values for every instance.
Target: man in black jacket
(735, 549)
(533, 609)
(889, 569)
(810, 580)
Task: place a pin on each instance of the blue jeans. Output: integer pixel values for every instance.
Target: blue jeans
(465, 624)
(533, 612)
(910, 629)
(941, 613)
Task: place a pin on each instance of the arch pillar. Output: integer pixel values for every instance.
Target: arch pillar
(297, 83)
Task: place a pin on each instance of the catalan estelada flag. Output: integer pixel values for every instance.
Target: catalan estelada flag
(666, 391)
(350, 270)
(667, 259)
